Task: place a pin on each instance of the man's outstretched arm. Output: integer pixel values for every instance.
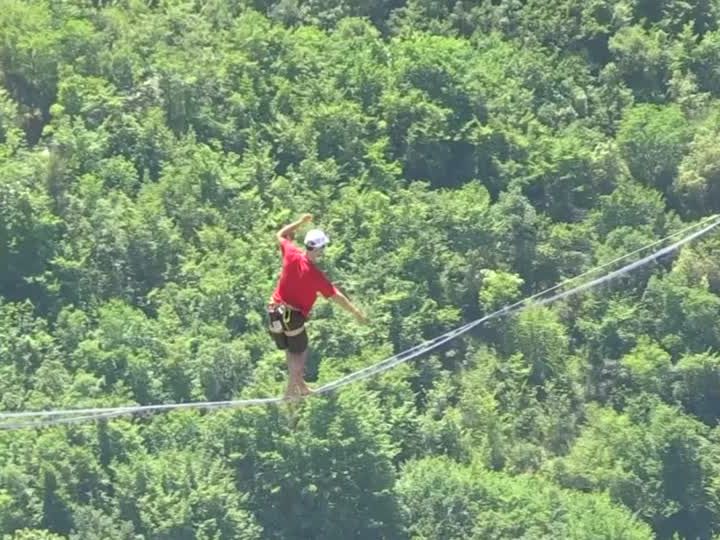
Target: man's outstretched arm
(340, 299)
(288, 230)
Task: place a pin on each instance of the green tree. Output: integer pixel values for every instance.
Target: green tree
(653, 459)
(679, 315)
(697, 386)
(33, 534)
(330, 478)
(182, 495)
(653, 140)
(28, 229)
(697, 184)
(29, 57)
(649, 366)
(442, 499)
(540, 337)
(94, 524)
(641, 57)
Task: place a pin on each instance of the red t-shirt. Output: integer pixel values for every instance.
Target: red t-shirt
(300, 280)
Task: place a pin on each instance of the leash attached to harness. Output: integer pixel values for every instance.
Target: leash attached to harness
(281, 320)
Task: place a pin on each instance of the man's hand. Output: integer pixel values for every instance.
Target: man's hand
(288, 231)
(341, 299)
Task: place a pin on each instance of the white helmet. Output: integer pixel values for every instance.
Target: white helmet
(315, 239)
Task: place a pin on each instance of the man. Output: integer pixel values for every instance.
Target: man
(297, 289)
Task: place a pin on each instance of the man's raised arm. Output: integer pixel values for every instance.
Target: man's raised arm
(288, 230)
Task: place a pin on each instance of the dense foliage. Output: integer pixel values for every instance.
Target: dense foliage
(461, 155)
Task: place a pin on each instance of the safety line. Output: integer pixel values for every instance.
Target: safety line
(80, 415)
(403, 357)
(623, 257)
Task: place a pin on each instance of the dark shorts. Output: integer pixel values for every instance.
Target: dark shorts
(287, 328)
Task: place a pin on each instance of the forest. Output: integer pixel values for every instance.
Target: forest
(462, 155)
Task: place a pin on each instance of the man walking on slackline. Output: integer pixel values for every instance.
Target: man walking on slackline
(300, 282)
